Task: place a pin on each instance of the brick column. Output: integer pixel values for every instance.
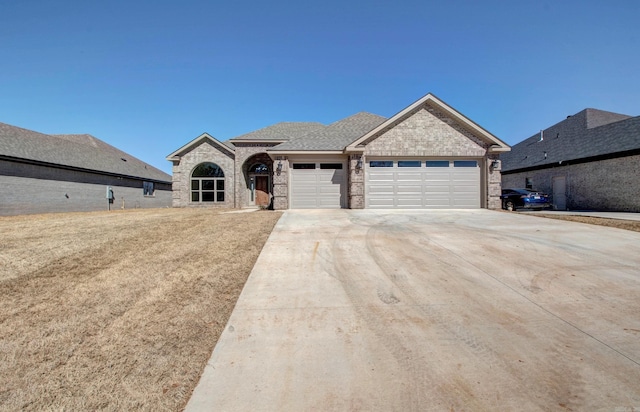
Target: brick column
(356, 182)
(494, 189)
(281, 184)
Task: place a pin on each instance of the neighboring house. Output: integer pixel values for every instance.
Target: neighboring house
(42, 173)
(590, 160)
(427, 156)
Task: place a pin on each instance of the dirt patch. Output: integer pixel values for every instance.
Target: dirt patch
(119, 310)
(633, 225)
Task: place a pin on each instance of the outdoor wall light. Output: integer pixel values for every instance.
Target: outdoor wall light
(359, 164)
(495, 165)
(279, 168)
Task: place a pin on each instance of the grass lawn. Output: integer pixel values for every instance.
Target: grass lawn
(118, 310)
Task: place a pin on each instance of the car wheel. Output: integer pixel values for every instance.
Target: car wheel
(509, 206)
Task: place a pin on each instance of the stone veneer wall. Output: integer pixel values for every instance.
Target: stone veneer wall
(281, 184)
(182, 169)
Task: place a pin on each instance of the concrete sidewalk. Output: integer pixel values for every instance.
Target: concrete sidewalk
(432, 310)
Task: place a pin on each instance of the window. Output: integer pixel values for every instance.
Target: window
(330, 165)
(381, 163)
(437, 163)
(207, 183)
(409, 163)
(147, 188)
(259, 168)
(304, 166)
(465, 163)
(528, 183)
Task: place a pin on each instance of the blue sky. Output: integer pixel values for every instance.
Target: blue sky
(149, 76)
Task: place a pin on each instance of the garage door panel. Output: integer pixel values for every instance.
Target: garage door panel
(404, 189)
(384, 203)
(409, 177)
(381, 177)
(409, 202)
(381, 189)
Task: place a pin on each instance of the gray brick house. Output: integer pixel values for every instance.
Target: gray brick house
(428, 155)
(42, 173)
(588, 161)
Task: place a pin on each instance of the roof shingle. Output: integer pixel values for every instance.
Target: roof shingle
(336, 136)
(281, 131)
(74, 150)
(586, 134)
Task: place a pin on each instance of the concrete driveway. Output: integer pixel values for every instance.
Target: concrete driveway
(432, 310)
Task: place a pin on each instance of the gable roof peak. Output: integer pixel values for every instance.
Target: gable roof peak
(497, 145)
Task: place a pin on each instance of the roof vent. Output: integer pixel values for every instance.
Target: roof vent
(123, 159)
(541, 136)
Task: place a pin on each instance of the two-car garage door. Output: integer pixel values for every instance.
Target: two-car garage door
(422, 184)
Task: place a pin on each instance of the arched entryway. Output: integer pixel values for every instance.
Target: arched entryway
(258, 174)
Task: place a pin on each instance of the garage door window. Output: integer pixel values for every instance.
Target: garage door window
(465, 163)
(409, 163)
(304, 166)
(381, 163)
(333, 166)
(437, 163)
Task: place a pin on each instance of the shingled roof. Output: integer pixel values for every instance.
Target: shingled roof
(280, 131)
(334, 137)
(81, 151)
(588, 134)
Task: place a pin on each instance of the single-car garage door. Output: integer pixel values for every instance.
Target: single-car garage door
(317, 185)
(422, 184)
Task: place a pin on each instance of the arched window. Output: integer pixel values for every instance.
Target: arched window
(207, 183)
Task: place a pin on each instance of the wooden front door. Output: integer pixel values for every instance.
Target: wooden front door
(262, 190)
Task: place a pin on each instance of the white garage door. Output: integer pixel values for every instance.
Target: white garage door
(318, 185)
(422, 184)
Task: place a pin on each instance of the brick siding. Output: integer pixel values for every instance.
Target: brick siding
(606, 185)
(182, 169)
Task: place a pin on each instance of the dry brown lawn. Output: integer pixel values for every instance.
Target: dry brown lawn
(118, 310)
(617, 223)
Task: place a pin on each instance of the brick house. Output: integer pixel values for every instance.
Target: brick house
(589, 161)
(426, 156)
(42, 173)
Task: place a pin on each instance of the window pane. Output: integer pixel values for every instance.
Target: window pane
(259, 168)
(330, 165)
(465, 163)
(195, 197)
(220, 184)
(208, 184)
(195, 184)
(381, 163)
(208, 196)
(304, 166)
(437, 163)
(207, 170)
(220, 197)
(409, 163)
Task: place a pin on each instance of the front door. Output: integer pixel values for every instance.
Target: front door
(262, 191)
